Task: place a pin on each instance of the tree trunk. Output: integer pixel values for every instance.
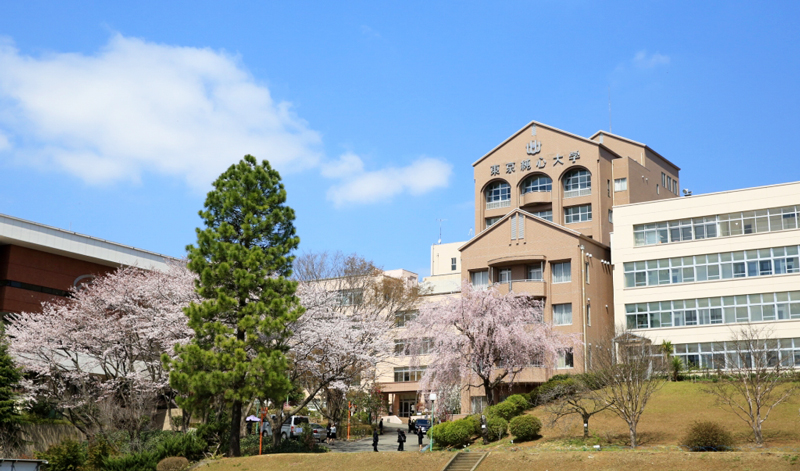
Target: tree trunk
(585, 426)
(757, 434)
(236, 418)
(632, 428)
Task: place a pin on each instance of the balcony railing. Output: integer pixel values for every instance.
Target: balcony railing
(498, 204)
(577, 193)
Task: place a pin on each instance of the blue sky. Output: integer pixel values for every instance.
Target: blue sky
(116, 116)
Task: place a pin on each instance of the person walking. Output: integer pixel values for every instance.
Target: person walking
(375, 440)
(401, 438)
(380, 426)
(328, 433)
(420, 434)
(333, 433)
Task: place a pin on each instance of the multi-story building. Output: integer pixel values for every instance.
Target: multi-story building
(544, 213)
(688, 270)
(39, 263)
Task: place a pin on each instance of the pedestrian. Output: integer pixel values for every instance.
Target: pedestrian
(328, 433)
(333, 433)
(380, 426)
(420, 434)
(401, 438)
(375, 439)
(410, 425)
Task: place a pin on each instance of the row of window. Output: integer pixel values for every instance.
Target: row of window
(561, 272)
(723, 225)
(572, 214)
(575, 180)
(722, 355)
(718, 266)
(719, 310)
(669, 183)
(401, 346)
(407, 374)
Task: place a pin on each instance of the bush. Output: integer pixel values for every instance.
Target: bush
(290, 446)
(68, 455)
(519, 401)
(99, 450)
(357, 431)
(173, 463)
(456, 433)
(186, 445)
(708, 436)
(497, 428)
(474, 424)
(144, 461)
(505, 410)
(525, 427)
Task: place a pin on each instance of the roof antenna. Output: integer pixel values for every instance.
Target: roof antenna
(609, 109)
(440, 229)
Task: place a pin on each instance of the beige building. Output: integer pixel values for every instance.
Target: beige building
(689, 270)
(544, 202)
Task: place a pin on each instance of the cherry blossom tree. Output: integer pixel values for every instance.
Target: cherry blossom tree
(97, 354)
(482, 339)
(343, 333)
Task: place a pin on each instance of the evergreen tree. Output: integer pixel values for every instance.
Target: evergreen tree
(243, 258)
(10, 376)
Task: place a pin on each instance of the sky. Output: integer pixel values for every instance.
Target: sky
(115, 117)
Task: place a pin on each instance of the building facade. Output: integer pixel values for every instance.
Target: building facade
(544, 214)
(40, 263)
(690, 270)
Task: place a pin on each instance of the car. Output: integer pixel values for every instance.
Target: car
(292, 428)
(320, 432)
(423, 424)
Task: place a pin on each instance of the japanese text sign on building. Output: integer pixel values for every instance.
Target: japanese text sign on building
(533, 147)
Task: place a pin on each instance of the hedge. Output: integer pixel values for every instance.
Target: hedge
(456, 433)
(497, 428)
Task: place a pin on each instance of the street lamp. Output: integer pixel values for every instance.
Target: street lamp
(432, 397)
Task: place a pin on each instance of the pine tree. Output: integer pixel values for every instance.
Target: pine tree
(10, 376)
(243, 258)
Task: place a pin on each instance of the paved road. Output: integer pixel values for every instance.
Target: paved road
(386, 442)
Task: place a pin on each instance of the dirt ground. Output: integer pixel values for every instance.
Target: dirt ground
(520, 460)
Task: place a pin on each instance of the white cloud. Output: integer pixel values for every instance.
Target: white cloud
(643, 60)
(348, 164)
(137, 107)
(421, 176)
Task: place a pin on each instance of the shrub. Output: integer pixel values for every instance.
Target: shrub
(68, 455)
(173, 463)
(357, 431)
(708, 436)
(143, 461)
(497, 428)
(99, 449)
(519, 401)
(186, 445)
(525, 427)
(474, 424)
(505, 410)
(290, 446)
(455, 433)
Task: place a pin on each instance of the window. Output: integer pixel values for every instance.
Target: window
(565, 359)
(504, 276)
(657, 189)
(407, 374)
(589, 315)
(498, 195)
(611, 216)
(608, 188)
(478, 404)
(620, 184)
(537, 183)
(535, 272)
(562, 272)
(480, 279)
(400, 347)
(577, 183)
(723, 225)
(580, 213)
(586, 271)
(402, 317)
(562, 314)
(548, 214)
(453, 264)
(717, 266)
(719, 310)
(716, 355)
(492, 221)
(350, 297)
(663, 179)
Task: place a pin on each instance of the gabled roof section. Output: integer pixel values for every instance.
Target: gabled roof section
(631, 141)
(567, 230)
(538, 124)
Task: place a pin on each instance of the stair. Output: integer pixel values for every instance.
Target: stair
(465, 461)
